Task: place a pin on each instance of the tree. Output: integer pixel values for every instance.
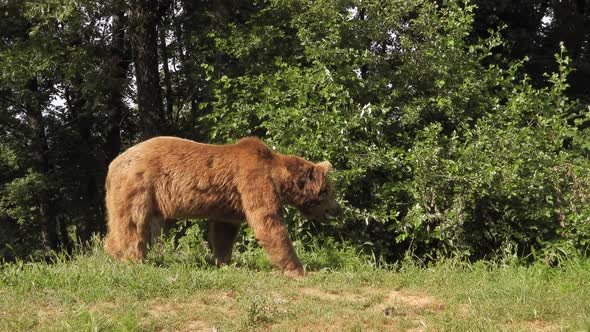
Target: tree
(120, 62)
(40, 162)
(144, 19)
(535, 28)
(21, 83)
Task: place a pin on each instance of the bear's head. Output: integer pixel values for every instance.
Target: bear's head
(309, 189)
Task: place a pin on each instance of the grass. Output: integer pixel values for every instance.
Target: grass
(90, 292)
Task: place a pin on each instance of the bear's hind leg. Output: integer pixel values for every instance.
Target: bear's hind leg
(129, 225)
(127, 241)
(222, 236)
(118, 221)
(139, 230)
(112, 244)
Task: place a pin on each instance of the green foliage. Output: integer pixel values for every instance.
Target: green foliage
(185, 244)
(436, 152)
(441, 147)
(499, 182)
(20, 195)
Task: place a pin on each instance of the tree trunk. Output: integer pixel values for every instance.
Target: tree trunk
(144, 44)
(188, 82)
(85, 158)
(120, 59)
(40, 164)
(167, 79)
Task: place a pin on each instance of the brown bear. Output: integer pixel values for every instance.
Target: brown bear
(167, 178)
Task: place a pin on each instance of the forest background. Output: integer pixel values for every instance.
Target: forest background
(457, 129)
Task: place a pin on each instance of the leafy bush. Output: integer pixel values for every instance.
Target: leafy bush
(440, 149)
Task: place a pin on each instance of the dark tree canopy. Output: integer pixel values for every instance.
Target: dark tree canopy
(535, 29)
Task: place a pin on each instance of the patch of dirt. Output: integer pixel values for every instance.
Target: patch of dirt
(50, 314)
(321, 294)
(538, 325)
(159, 307)
(398, 306)
(193, 314)
(101, 307)
(466, 309)
(416, 302)
(337, 324)
(197, 325)
(404, 306)
(229, 295)
(332, 296)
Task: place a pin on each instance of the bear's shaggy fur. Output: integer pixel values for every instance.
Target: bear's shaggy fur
(167, 178)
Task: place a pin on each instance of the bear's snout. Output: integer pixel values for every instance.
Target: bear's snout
(335, 211)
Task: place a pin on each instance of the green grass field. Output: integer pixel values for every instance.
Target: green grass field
(90, 292)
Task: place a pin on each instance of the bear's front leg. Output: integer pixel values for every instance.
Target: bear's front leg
(272, 235)
(263, 214)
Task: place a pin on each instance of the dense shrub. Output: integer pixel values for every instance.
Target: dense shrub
(440, 149)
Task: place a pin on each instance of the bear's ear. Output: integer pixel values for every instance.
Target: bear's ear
(316, 176)
(319, 172)
(325, 165)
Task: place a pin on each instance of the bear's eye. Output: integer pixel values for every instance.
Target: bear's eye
(301, 184)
